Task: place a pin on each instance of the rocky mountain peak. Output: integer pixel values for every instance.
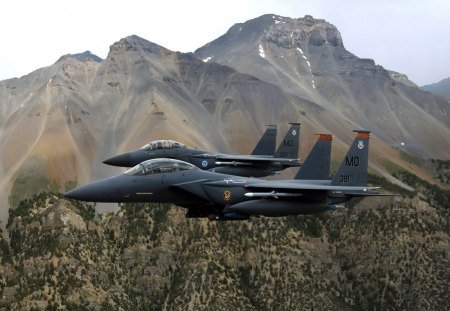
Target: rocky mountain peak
(86, 56)
(135, 43)
(286, 32)
(289, 32)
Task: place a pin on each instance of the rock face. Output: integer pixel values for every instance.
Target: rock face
(384, 253)
(292, 33)
(87, 56)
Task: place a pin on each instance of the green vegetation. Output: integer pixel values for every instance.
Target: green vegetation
(70, 185)
(382, 182)
(311, 225)
(5, 252)
(84, 209)
(441, 171)
(26, 206)
(434, 195)
(389, 255)
(145, 219)
(412, 159)
(26, 186)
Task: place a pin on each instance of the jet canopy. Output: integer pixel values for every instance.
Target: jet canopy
(162, 144)
(157, 166)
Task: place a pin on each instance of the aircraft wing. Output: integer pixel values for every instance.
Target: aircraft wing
(193, 187)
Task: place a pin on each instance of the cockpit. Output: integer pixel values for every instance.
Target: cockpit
(162, 144)
(157, 166)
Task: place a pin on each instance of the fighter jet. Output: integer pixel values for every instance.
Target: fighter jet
(225, 197)
(263, 161)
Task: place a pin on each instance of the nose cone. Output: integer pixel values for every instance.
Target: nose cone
(123, 160)
(105, 190)
(76, 194)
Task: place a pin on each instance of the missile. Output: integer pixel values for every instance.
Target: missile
(233, 163)
(272, 194)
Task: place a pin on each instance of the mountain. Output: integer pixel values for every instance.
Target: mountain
(58, 123)
(441, 88)
(384, 253)
(87, 55)
(307, 57)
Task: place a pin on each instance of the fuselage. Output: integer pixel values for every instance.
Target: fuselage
(210, 193)
(185, 187)
(207, 161)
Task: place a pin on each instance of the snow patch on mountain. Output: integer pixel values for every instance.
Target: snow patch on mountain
(261, 51)
(309, 65)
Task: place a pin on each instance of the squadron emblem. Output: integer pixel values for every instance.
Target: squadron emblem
(227, 195)
(360, 144)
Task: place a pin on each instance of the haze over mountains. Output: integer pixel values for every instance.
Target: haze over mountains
(442, 87)
(58, 123)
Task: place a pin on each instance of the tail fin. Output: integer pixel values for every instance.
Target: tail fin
(266, 145)
(353, 169)
(290, 144)
(317, 163)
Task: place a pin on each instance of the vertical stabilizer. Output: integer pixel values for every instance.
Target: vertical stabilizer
(353, 169)
(289, 146)
(317, 163)
(267, 143)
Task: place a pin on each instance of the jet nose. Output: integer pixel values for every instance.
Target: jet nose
(123, 160)
(80, 193)
(76, 194)
(105, 190)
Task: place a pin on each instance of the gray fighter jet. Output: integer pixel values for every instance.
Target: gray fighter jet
(263, 161)
(224, 197)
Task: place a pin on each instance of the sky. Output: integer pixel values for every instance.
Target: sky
(408, 36)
